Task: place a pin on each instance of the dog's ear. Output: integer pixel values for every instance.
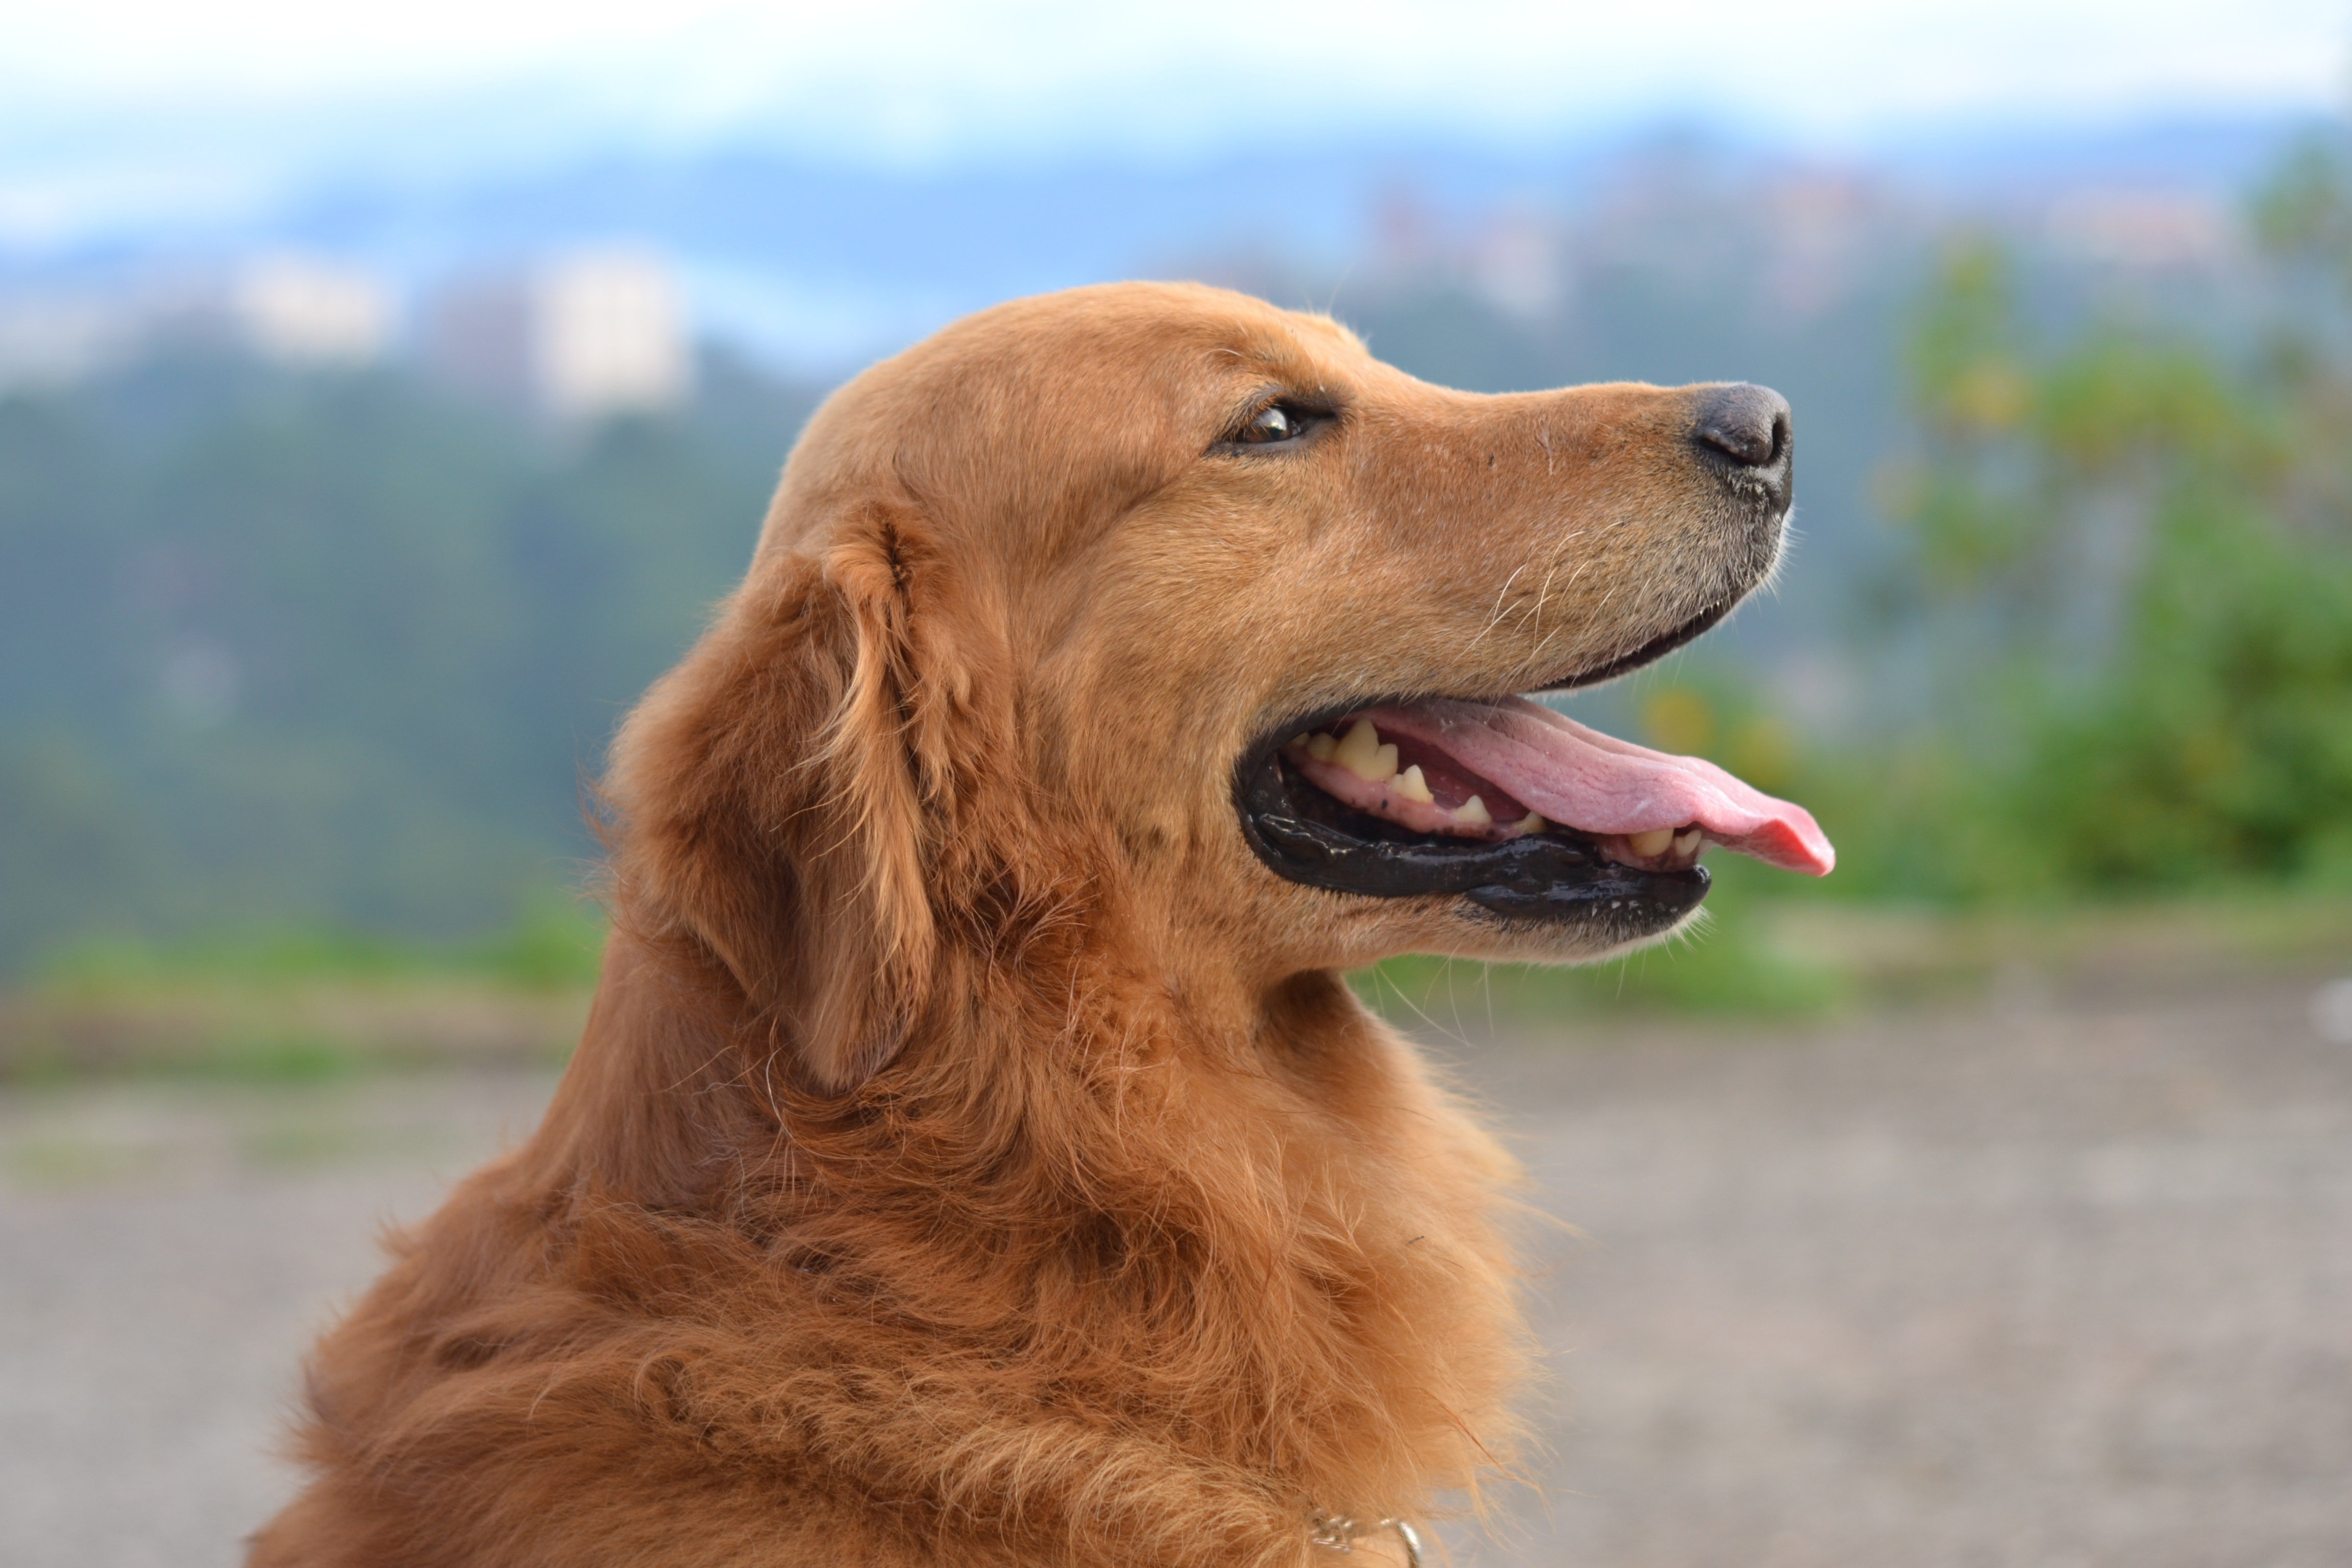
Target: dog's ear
(783, 796)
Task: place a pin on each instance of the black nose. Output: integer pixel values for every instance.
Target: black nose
(1747, 424)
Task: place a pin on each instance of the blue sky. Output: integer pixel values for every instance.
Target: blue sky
(931, 72)
(114, 109)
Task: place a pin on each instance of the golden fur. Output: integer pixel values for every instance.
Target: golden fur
(973, 1156)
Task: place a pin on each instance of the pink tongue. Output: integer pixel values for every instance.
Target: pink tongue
(1598, 784)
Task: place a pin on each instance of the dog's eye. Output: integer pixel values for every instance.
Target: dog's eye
(1273, 423)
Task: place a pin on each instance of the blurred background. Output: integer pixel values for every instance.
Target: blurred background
(385, 398)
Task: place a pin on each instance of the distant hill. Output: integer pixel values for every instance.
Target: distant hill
(823, 264)
(339, 648)
(334, 649)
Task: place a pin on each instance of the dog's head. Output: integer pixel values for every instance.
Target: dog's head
(1163, 603)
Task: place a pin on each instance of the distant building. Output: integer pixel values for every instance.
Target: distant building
(298, 309)
(576, 337)
(288, 308)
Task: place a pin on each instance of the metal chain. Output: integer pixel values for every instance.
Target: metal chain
(1338, 1533)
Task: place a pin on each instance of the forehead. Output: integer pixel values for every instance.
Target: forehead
(1294, 341)
(1054, 408)
(1181, 331)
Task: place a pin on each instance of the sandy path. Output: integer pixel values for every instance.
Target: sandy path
(165, 1254)
(2035, 1286)
(2054, 1287)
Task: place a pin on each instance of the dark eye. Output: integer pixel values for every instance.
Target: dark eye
(1273, 423)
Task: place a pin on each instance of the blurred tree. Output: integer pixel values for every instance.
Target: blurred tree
(2139, 552)
(281, 650)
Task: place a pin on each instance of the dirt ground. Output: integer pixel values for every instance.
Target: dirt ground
(2032, 1283)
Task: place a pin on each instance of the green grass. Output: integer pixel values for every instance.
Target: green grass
(190, 1040)
(303, 1005)
(294, 1008)
(556, 945)
(1770, 952)
(271, 1057)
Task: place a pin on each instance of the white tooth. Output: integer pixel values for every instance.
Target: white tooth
(1359, 750)
(1411, 784)
(1384, 763)
(1473, 813)
(1299, 739)
(1686, 843)
(1652, 841)
(1532, 822)
(1320, 746)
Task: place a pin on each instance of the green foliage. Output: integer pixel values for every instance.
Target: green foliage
(333, 652)
(2221, 744)
(2137, 557)
(2304, 211)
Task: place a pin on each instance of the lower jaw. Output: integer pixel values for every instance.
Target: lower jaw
(1553, 878)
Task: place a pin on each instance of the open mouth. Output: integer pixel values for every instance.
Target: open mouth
(1516, 808)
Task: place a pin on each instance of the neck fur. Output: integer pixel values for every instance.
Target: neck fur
(1091, 1272)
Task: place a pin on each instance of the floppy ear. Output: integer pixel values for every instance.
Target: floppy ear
(783, 796)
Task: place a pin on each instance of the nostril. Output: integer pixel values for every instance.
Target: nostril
(1745, 423)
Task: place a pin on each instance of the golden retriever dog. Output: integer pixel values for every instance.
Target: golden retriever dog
(974, 1156)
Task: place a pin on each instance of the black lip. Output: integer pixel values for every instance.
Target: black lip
(1306, 836)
